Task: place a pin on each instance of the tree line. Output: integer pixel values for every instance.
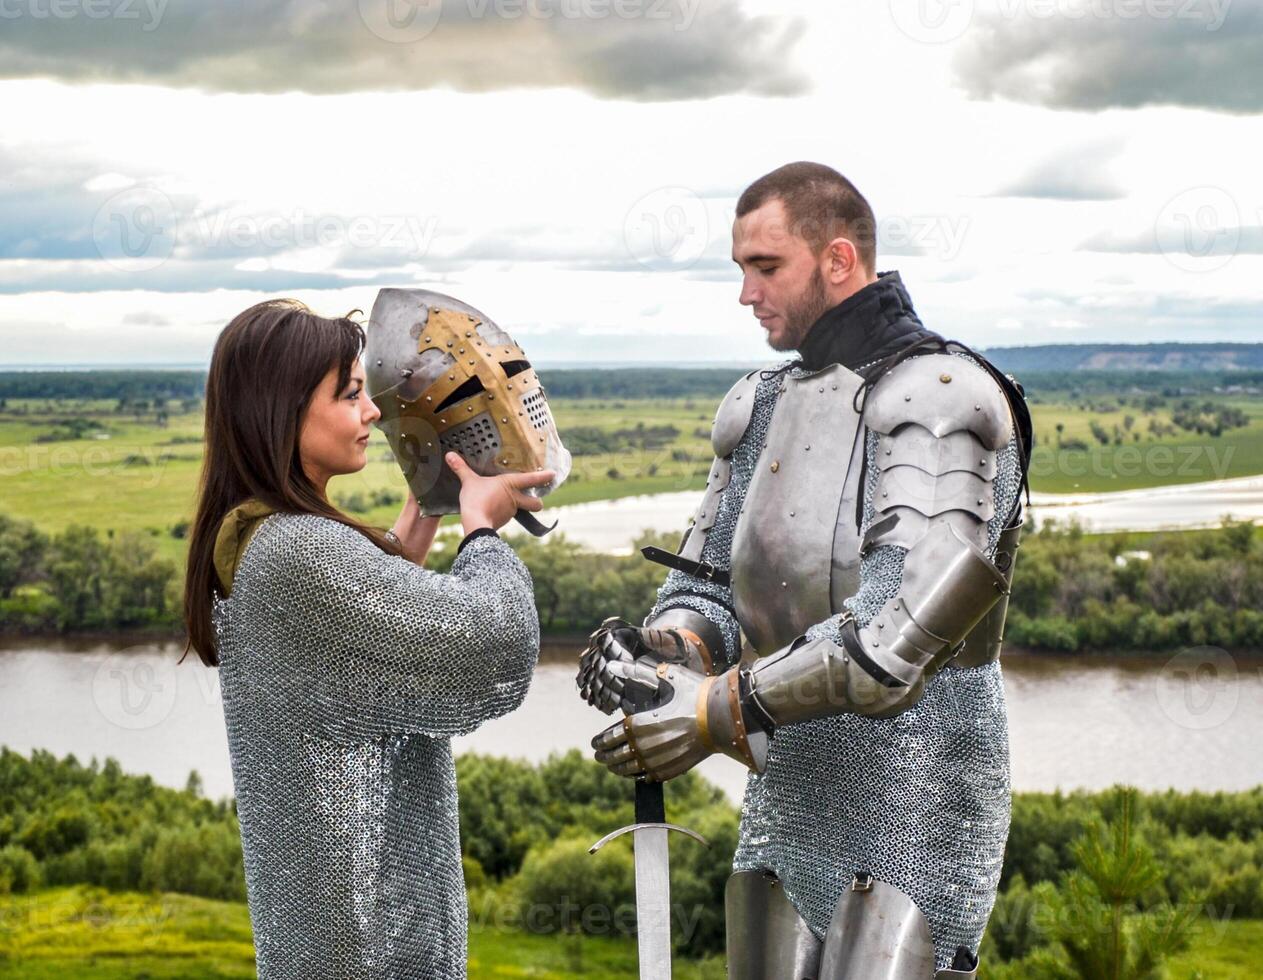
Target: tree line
(1072, 592)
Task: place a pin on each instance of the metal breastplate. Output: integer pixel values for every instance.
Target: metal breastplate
(799, 517)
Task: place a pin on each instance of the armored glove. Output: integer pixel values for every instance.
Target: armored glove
(684, 716)
(607, 663)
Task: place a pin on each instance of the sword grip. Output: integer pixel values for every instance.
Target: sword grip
(650, 805)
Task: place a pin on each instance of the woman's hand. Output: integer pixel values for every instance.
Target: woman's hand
(491, 501)
(415, 532)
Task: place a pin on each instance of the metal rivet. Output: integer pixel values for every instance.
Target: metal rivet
(429, 445)
(977, 408)
(469, 333)
(776, 465)
(784, 585)
(451, 377)
(907, 398)
(738, 398)
(505, 419)
(427, 340)
(806, 448)
(379, 362)
(791, 513)
(442, 421)
(980, 500)
(885, 493)
(407, 372)
(945, 378)
(491, 397)
(449, 343)
(982, 462)
(888, 452)
(469, 408)
(471, 361)
(881, 626)
(428, 398)
(835, 387)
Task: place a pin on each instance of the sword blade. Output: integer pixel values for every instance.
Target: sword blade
(653, 903)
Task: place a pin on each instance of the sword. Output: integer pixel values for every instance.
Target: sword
(653, 878)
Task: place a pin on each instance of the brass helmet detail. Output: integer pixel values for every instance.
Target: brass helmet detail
(447, 378)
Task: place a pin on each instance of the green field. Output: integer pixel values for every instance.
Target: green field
(133, 474)
(71, 933)
(86, 932)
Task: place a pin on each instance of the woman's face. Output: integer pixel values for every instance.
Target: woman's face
(335, 430)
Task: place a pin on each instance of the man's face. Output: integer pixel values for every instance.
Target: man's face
(781, 275)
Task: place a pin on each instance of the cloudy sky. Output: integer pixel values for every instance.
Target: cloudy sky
(1042, 170)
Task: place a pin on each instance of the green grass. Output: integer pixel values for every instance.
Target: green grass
(1218, 952)
(71, 933)
(66, 933)
(1150, 462)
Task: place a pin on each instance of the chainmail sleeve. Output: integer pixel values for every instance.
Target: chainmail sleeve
(386, 645)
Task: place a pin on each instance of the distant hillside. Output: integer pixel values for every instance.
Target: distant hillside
(1128, 357)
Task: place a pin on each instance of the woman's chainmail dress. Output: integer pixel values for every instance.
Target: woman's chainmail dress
(344, 673)
(920, 800)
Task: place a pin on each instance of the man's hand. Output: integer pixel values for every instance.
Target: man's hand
(606, 679)
(686, 716)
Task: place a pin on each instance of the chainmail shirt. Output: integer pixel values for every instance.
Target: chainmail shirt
(344, 673)
(921, 800)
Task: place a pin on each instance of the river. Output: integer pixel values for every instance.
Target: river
(1190, 722)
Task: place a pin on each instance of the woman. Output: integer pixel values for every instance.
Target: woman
(345, 667)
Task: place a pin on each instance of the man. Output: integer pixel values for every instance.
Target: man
(858, 528)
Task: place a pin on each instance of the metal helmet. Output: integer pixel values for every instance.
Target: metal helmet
(447, 378)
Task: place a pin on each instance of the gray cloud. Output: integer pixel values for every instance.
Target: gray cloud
(1175, 241)
(623, 49)
(174, 277)
(1118, 54)
(1080, 173)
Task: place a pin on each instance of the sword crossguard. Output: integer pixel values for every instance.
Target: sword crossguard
(632, 828)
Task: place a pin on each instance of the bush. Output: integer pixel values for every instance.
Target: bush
(19, 871)
(566, 889)
(199, 860)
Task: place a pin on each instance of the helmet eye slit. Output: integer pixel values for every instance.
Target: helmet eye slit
(514, 367)
(473, 386)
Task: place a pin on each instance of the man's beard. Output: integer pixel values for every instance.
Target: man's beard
(802, 314)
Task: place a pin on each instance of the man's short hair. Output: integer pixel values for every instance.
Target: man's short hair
(821, 205)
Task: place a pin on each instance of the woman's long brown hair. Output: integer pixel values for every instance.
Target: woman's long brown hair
(267, 363)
